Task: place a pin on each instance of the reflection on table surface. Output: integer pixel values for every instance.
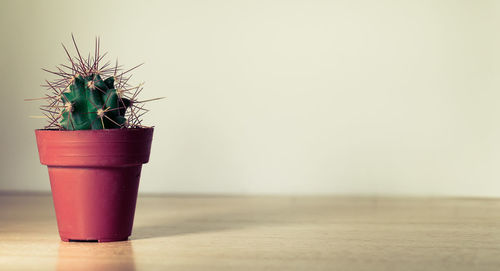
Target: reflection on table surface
(96, 256)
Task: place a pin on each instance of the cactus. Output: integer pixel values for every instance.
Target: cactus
(93, 103)
(88, 95)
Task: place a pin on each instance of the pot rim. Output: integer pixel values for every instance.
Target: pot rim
(96, 148)
(97, 130)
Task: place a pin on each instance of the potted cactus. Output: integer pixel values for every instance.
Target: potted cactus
(94, 146)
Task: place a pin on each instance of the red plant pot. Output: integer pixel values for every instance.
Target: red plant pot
(94, 177)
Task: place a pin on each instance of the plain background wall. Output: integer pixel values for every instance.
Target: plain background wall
(279, 97)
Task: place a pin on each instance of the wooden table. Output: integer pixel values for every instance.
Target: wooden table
(265, 233)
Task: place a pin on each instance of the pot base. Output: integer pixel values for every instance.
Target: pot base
(94, 240)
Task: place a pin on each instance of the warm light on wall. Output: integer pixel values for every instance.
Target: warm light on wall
(286, 97)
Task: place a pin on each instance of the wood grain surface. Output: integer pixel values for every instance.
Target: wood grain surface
(265, 233)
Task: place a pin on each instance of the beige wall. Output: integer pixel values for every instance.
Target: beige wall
(286, 97)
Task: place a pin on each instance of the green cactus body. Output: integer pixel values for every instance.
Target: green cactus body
(93, 103)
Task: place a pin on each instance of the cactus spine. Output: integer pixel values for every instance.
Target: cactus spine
(87, 95)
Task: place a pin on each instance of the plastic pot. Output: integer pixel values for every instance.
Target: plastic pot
(94, 177)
